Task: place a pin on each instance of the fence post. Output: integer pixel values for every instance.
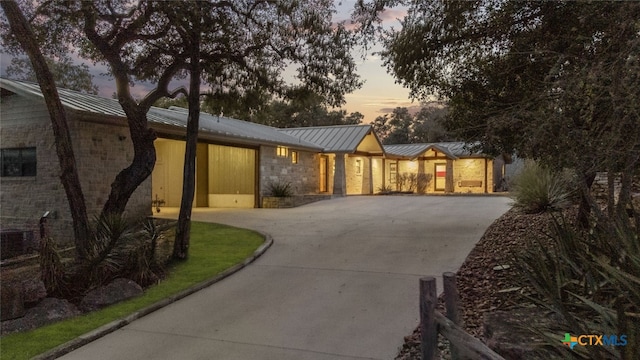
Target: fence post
(451, 300)
(428, 325)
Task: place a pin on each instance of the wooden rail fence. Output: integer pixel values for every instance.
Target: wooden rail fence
(432, 322)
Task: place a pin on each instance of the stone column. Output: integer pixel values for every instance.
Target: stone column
(448, 181)
(370, 175)
(339, 176)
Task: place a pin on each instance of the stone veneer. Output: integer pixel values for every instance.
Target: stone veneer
(303, 176)
(101, 151)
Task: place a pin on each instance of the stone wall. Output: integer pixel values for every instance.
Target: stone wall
(468, 172)
(303, 176)
(357, 170)
(100, 152)
(600, 187)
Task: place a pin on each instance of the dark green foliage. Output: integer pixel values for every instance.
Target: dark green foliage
(555, 81)
(404, 127)
(120, 248)
(592, 279)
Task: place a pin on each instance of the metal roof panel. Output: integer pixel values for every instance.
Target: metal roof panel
(246, 131)
(335, 138)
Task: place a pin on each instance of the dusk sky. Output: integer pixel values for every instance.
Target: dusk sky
(378, 95)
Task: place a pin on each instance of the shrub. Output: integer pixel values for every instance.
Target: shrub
(280, 189)
(401, 180)
(120, 248)
(423, 182)
(537, 189)
(592, 280)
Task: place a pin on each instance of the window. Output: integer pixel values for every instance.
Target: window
(294, 157)
(358, 166)
(18, 161)
(282, 151)
(393, 171)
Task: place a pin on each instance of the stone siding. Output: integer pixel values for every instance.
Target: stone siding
(472, 170)
(100, 154)
(464, 170)
(358, 175)
(303, 176)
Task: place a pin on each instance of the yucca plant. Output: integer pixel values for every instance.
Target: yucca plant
(537, 189)
(120, 248)
(592, 280)
(280, 189)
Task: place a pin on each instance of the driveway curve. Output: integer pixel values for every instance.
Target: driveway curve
(340, 282)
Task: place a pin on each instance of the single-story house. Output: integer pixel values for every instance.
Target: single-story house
(449, 167)
(236, 160)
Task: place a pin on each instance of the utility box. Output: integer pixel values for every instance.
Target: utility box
(15, 242)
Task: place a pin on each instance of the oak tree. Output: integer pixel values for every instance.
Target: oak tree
(555, 81)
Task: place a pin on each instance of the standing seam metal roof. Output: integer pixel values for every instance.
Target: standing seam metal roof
(453, 150)
(209, 124)
(336, 138)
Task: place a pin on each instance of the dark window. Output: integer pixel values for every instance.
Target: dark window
(18, 161)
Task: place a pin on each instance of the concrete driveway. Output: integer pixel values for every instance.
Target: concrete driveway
(340, 282)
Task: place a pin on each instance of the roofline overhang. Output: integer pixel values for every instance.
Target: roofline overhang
(203, 134)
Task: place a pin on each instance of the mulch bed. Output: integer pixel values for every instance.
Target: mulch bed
(482, 288)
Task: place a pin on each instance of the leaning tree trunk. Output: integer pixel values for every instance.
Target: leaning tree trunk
(144, 159)
(69, 172)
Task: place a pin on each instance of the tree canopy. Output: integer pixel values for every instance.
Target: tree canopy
(557, 81)
(403, 127)
(65, 73)
(554, 81)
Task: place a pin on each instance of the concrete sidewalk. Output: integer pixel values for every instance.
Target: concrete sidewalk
(340, 282)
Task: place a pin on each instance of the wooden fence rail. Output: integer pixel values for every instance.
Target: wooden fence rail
(463, 345)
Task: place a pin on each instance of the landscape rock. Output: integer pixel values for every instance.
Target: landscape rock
(33, 291)
(116, 291)
(12, 301)
(510, 334)
(47, 311)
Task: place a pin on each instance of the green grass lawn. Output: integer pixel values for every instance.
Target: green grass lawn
(213, 249)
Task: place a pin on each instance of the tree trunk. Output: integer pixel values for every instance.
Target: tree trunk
(182, 239)
(584, 210)
(144, 159)
(69, 173)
